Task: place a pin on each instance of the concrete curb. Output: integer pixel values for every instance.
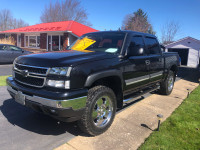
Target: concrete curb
(132, 126)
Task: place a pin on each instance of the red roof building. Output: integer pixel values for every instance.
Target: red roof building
(47, 36)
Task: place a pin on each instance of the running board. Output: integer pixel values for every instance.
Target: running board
(136, 95)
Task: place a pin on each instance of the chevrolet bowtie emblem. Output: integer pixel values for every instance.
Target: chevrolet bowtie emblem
(24, 73)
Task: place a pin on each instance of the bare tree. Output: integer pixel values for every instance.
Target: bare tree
(169, 32)
(7, 21)
(64, 11)
(18, 23)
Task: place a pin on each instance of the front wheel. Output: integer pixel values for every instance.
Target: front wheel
(167, 85)
(100, 111)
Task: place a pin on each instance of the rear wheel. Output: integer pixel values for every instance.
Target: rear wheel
(100, 110)
(167, 85)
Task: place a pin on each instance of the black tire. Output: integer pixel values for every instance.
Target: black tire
(96, 94)
(164, 86)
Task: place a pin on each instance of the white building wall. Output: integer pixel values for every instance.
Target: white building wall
(193, 46)
(193, 58)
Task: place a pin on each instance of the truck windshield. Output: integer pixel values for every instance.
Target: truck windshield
(99, 42)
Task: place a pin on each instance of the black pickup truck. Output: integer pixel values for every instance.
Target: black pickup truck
(90, 80)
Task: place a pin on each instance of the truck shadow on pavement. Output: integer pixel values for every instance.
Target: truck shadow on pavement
(35, 122)
(189, 74)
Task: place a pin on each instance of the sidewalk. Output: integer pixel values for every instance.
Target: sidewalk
(133, 125)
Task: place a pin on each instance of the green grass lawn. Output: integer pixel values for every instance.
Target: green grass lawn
(3, 80)
(181, 131)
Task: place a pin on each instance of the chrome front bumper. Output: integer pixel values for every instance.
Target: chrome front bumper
(75, 104)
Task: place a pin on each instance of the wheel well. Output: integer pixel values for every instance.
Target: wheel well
(174, 68)
(115, 84)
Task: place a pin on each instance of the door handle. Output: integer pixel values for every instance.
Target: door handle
(147, 62)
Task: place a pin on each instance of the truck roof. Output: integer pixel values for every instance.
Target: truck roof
(128, 31)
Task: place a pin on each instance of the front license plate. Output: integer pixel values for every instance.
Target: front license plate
(20, 98)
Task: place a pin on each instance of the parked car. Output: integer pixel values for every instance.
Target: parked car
(8, 53)
(90, 81)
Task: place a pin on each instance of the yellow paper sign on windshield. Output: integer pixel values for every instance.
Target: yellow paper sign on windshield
(82, 44)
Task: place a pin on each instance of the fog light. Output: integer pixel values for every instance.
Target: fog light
(52, 110)
(67, 84)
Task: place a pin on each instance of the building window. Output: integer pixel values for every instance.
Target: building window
(32, 41)
(38, 41)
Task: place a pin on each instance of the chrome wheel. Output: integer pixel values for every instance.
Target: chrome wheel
(102, 111)
(170, 83)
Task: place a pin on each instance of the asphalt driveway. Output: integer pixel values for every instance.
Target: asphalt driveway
(21, 128)
(5, 70)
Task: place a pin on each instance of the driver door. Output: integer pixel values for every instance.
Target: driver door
(136, 71)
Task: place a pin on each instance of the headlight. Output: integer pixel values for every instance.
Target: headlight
(58, 83)
(64, 71)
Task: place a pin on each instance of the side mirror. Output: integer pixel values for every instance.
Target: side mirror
(140, 51)
(136, 51)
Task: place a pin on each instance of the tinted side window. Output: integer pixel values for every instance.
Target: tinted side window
(152, 45)
(14, 48)
(136, 43)
(3, 47)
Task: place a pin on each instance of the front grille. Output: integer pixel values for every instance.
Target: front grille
(36, 70)
(30, 80)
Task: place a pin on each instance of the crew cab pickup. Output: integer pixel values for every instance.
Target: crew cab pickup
(90, 80)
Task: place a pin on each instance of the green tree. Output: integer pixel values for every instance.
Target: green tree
(138, 21)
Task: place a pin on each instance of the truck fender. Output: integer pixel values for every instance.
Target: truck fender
(99, 75)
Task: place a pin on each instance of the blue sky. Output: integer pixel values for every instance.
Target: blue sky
(109, 14)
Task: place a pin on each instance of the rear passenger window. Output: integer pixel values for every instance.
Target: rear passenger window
(152, 45)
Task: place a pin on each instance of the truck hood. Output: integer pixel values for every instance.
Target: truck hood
(62, 58)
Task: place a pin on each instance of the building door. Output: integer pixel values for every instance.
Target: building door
(55, 43)
(183, 53)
